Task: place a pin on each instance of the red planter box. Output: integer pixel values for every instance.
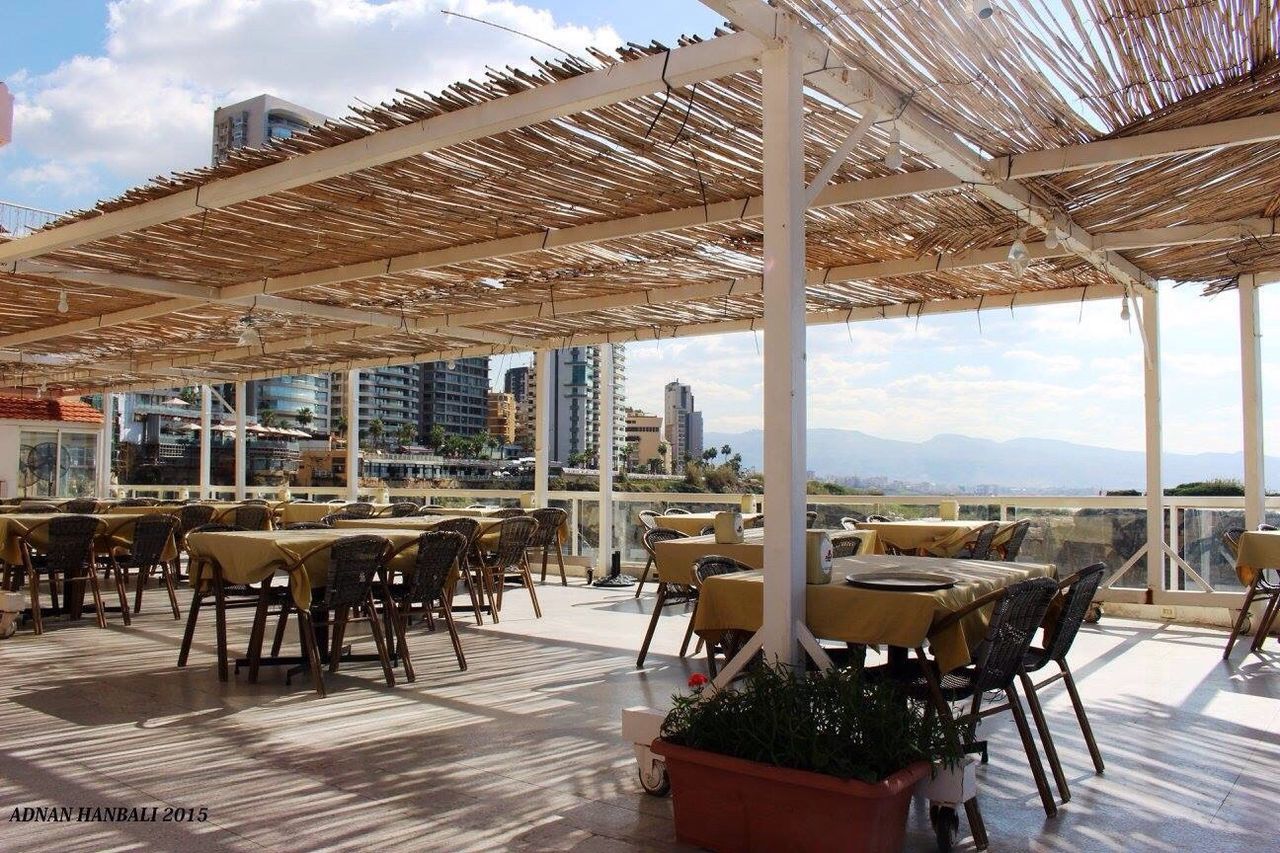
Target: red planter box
(728, 804)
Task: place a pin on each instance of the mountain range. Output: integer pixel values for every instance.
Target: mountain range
(964, 461)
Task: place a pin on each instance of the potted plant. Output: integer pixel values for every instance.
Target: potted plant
(796, 761)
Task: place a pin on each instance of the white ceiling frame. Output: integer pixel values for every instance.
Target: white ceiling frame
(1013, 301)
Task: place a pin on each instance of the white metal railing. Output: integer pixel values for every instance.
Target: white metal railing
(19, 220)
(1071, 531)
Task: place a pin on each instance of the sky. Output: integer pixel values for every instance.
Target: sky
(110, 94)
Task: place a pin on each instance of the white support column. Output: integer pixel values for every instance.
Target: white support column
(106, 445)
(206, 445)
(1155, 484)
(604, 460)
(784, 351)
(541, 426)
(242, 438)
(1251, 398)
(353, 435)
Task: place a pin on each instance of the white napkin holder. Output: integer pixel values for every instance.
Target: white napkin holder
(728, 527)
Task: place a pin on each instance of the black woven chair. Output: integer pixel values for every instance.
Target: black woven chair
(730, 641)
(151, 533)
(81, 506)
(507, 512)
(255, 502)
(470, 570)
(354, 565)
(979, 548)
(850, 521)
(308, 525)
(648, 518)
(248, 516)
(879, 518)
(508, 561)
(359, 509)
(439, 555)
(403, 509)
(139, 502)
(428, 509)
(669, 594)
(68, 555)
(845, 544)
(1012, 546)
(1017, 612)
(1264, 586)
(547, 536)
(36, 508)
(675, 510)
(810, 519)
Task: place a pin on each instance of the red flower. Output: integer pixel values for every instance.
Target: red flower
(697, 680)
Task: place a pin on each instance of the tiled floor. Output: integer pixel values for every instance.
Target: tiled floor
(523, 751)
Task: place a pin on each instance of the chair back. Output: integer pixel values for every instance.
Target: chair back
(980, 549)
(850, 522)
(1015, 618)
(675, 510)
(254, 502)
(308, 525)
(438, 552)
(70, 546)
(150, 534)
(192, 516)
(879, 518)
(359, 509)
(1014, 545)
(550, 519)
(508, 512)
(468, 527)
(810, 518)
(477, 506)
(845, 544)
(81, 506)
(38, 508)
(217, 528)
(712, 565)
(252, 516)
(648, 517)
(1078, 593)
(353, 562)
(428, 509)
(1268, 527)
(1231, 538)
(139, 502)
(403, 509)
(651, 538)
(513, 538)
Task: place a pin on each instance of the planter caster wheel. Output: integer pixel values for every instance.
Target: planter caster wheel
(946, 826)
(1094, 614)
(655, 782)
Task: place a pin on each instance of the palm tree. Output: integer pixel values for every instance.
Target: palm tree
(376, 430)
(726, 451)
(709, 454)
(267, 417)
(436, 437)
(304, 417)
(406, 434)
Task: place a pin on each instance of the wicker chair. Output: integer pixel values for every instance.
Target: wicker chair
(879, 518)
(470, 571)
(1009, 551)
(340, 515)
(810, 519)
(34, 508)
(850, 522)
(1017, 612)
(547, 536)
(151, 534)
(669, 594)
(255, 502)
(246, 516)
(477, 506)
(428, 509)
(507, 512)
(1265, 585)
(403, 509)
(675, 510)
(648, 518)
(81, 506)
(68, 555)
(359, 509)
(139, 502)
(845, 544)
(439, 553)
(354, 564)
(308, 525)
(508, 561)
(979, 548)
(729, 642)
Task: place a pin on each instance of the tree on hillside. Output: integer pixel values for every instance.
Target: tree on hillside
(726, 451)
(709, 454)
(406, 434)
(436, 437)
(376, 430)
(267, 417)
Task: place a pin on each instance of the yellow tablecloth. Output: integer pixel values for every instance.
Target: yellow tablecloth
(1259, 549)
(675, 558)
(838, 611)
(251, 556)
(939, 538)
(695, 522)
(292, 513)
(119, 526)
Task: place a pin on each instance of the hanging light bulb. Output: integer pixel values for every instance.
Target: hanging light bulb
(63, 305)
(1051, 240)
(982, 9)
(245, 339)
(1124, 308)
(893, 156)
(308, 340)
(1019, 257)
(40, 391)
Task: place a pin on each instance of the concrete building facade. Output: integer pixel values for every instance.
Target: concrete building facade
(684, 424)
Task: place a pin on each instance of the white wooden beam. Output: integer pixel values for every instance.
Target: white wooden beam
(206, 447)
(682, 66)
(1255, 460)
(106, 444)
(541, 427)
(605, 463)
(242, 439)
(353, 435)
(121, 281)
(823, 177)
(1149, 318)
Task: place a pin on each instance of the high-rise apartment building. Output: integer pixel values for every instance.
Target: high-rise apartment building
(392, 395)
(684, 424)
(575, 404)
(520, 383)
(502, 417)
(455, 396)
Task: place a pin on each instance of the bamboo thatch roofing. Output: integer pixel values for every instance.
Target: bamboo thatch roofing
(149, 301)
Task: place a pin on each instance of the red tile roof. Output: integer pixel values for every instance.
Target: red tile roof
(30, 409)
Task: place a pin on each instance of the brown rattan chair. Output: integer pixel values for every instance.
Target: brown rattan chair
(429, 509)
(850, 521)
(648, 518)
(428, 581)
(251, 516)
(1265, 586)
(675, 510)
(979, 547)
(308, 525)
(508, 560)
(35, 508)
(403, 509)
(359, 509)
(547, 536)
(669, 594)
(845, 544)
(507, 512)
(730, 641)
(82, 506)
(68, 555)
(470, 570)
(151, 533)
(1012, 546)
(139, 502)
(1017, 611)
(255, 502)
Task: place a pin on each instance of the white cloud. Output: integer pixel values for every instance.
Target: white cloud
(146, 105)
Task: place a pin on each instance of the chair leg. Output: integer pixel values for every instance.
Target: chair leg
(644, 575)
(447, 612)
(281, 625)
(1033, 754)
(375, 625)
(144, 573)
(97, 599)
(653, 624)
(465, 574)
(258, 633)
(526, 575)
(397, 633)
(166, 575)
(337, 633)
(711, 659)
(308, 634)
(976, 825)
(193, 612)
(1264, 627)
(564, 579)
(688, 632)
(1046, 737)
(33, 585)
(114, 568)
(545, 556)
(1237, 629)
(220, 623)
(1085, 728)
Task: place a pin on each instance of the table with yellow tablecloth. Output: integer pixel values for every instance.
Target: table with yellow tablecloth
(840, 611)
(114, 531)
(488, 538)
(693, 523)
(1259, 549)
(931, 538)
(294, 511)
(674, 558)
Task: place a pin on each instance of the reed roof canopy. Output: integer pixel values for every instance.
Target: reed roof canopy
(617, 197)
